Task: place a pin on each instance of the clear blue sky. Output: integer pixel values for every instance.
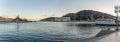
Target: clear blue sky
(38, 9)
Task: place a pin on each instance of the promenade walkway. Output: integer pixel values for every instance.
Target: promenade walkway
(113, 37)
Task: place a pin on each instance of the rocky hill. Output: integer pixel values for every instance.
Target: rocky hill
(5, 19)
(84, 15)
(48, 19)
(89, 15)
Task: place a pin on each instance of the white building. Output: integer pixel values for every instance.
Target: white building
(63, 19)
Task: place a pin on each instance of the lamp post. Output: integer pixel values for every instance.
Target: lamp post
(117, 11)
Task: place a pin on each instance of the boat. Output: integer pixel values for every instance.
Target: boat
(107, 22)
(84, 23)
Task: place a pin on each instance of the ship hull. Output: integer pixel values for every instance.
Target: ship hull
(106, 23)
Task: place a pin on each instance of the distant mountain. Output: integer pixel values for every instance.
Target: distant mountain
(48, 19)
(69, 15)
(89, 15)
(84, 15)
(5, 19)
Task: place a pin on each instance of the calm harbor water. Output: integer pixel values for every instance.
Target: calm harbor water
(45, 32)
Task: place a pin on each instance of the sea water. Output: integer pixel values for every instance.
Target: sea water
(45, 32)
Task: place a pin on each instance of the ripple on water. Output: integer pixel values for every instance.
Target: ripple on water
(44, 32)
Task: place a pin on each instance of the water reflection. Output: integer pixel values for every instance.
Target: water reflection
(17, 27)
(47, 31)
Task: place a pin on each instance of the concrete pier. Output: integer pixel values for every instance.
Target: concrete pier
(103, 36)
(104, 32)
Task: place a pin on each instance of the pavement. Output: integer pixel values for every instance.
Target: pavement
(109, 36)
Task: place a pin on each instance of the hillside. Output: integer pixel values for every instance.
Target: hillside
(84, 15)
(5, 19)
(89, 15)
(48, 19)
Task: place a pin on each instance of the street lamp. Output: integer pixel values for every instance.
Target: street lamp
(117, 11)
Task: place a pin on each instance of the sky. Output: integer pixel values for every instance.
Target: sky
(39, 9)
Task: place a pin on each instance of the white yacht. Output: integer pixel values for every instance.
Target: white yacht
(106, 22)
(83, 22)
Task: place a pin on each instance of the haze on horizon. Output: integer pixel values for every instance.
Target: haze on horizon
(38, 9)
